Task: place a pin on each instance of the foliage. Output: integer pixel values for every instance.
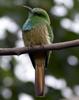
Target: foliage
(64, 64)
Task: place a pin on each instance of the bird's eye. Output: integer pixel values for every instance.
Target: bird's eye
(38, 14)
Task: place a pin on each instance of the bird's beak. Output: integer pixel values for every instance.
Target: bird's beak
(27, 7)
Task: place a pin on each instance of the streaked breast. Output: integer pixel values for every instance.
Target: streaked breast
(36, 36)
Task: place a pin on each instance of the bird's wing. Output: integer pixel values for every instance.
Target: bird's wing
(50, 31)
(51, 35)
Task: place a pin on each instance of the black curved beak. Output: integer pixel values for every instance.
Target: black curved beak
(27, 7)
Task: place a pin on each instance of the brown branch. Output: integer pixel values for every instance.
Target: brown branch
(54, 46)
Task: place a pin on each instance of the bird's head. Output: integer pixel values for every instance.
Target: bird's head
(38, 12)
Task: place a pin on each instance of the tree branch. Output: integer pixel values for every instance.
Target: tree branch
(54, 46)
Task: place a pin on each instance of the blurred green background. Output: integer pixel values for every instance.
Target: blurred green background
(17, 73)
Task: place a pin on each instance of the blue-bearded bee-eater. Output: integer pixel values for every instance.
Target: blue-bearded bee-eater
(37, 31)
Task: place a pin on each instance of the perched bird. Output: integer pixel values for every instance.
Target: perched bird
(37, 31)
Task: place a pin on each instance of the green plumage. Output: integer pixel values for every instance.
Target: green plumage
(37, 21)
(39, 18)
(37, 31)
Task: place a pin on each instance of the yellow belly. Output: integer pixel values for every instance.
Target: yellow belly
(36, 36)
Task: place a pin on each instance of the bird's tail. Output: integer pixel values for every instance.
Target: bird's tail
(39, 75)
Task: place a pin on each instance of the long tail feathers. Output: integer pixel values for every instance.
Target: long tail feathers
(39, 76)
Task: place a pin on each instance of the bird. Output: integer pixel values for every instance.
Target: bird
(37, 31)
